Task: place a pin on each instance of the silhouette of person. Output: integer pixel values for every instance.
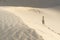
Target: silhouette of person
(43, 22)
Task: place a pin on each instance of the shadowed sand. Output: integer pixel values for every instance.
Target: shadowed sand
(13, 28)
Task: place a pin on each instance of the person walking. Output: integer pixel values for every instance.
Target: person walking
(43, 21)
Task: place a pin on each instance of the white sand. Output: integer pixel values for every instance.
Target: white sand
(33, 20)
(13, 28)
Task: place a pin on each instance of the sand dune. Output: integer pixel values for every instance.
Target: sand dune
(31, 12)
(13, 28)
(33, 18)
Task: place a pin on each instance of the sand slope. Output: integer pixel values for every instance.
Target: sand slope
(13, 28)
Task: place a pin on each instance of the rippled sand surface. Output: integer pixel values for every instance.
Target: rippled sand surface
(13, 28)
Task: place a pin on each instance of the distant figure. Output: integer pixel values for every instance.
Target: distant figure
(43, 22)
